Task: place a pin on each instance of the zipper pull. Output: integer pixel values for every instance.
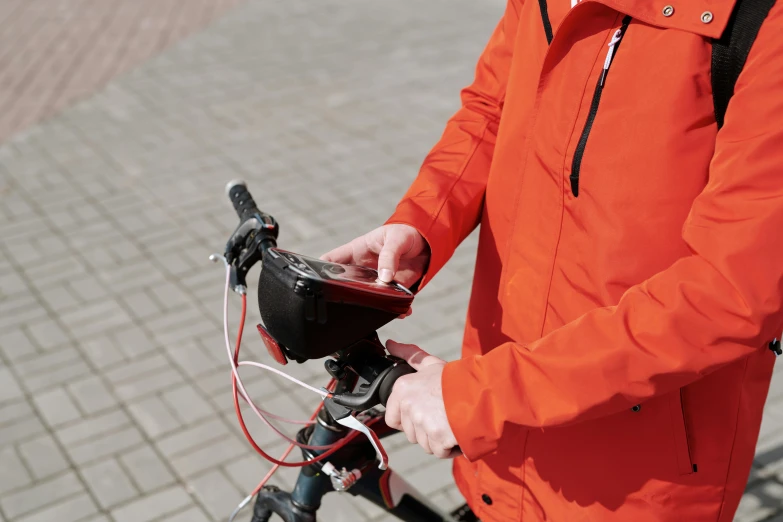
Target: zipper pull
(618, 35)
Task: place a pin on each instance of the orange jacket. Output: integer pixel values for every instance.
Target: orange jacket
(615, 360)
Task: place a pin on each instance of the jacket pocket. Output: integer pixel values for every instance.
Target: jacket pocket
(682, 449)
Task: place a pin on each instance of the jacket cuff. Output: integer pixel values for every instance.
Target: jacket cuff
(465, 397)
(409, 213)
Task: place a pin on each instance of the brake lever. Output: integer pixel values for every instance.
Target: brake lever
(378, 391)
(246, 247)
(345, 417)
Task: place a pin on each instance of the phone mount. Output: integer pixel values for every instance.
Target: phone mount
(312, 308)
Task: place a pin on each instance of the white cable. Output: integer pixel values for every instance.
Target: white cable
(239, 508)
(241, 387)
(320, 392)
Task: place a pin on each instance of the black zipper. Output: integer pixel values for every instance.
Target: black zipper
(576, 165)
(545, 18)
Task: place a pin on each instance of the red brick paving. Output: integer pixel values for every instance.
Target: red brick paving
(53, 52)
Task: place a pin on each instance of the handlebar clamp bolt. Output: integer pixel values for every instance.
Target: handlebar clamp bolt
(334, 369)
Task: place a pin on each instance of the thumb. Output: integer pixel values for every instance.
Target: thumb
(412, 354)
(394, 246)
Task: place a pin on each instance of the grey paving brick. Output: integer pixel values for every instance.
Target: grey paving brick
(140, 303)
(180, 326)
(70, 510)
(14, 411)
(183, 441)
(102, 352)
(22, 309)
(123, 251)
(133, 277)
(187, 404)
(40, 495)
(206, 457)
(20, 429)
(193, 360)
(406, 456)
(23, 227)
(193, 514)
(42, 456)
(11, 283)
(98, 518)
(54, 271)
(88, 288)
(23, 250)
(91, 395)
(775, 394)
(95, 318)
(153, 506)
(245, 471)
(170, 295)
(283, 406)
(13, 474)
(153, 363)
(432, 477)
(769, 450)
(59, 298)
(47, 362)
(9, 387)
(759, 502)
(341, 508)
(15, 344)
(133, 342)
(216, 493)
(776, 518)
(56, 406)
(57, 376)
(108, 482)
(109, 444)
(147, 470)
(91, 427)
(165, 378)
(154, 416)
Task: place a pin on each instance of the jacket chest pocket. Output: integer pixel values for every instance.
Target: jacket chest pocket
(685, 465)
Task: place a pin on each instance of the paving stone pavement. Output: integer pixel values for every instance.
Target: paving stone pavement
(114, 393)
(55, 51)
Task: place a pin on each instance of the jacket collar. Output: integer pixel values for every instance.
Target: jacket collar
(687, 15)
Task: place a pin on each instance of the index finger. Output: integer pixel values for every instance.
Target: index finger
(412, 354)
(342, 254)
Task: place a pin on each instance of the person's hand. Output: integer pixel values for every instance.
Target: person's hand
(416, 402)
(398, 252)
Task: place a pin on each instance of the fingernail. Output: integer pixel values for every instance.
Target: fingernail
(385, 275)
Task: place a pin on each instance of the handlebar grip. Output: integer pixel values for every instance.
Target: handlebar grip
(240, 197)
(388, 382)
(386, 388)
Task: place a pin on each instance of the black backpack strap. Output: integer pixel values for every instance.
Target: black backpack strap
(730, 51)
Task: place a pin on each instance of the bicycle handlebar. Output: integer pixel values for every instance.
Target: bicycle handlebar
(240, 197)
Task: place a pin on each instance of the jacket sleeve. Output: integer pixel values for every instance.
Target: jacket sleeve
(445, 201)
(713, 307)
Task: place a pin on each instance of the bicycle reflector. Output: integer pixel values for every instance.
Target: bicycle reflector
(272, 347)
(312, 308)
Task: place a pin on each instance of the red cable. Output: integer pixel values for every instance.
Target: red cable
(287, 451)
(241, 419)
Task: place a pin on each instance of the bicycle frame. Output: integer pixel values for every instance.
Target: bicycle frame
(386, 489)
